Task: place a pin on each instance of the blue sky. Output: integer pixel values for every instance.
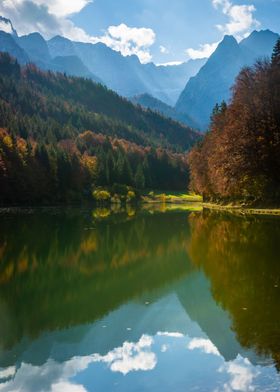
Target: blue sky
(162, 31)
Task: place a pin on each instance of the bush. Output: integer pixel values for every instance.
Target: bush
(101, 195)
(130, 196)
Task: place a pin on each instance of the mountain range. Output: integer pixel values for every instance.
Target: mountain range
(125, 75)
(213, 82)
(186, 92)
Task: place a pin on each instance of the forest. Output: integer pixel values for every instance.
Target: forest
(239, 158)
(62, 137)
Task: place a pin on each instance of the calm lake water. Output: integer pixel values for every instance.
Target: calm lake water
(151, 300)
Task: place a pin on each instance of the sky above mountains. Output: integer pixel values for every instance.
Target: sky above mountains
(161, 31)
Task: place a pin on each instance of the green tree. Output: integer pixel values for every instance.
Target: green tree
(275, 58)
(139, 177)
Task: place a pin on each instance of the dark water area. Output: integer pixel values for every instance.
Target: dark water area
(139, 300)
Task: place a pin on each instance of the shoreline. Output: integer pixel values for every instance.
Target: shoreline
(242, 210)
(179, 201)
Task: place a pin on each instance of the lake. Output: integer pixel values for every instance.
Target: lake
(157, 299)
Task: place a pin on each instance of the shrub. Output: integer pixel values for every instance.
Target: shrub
(101, 195)
(130, 196)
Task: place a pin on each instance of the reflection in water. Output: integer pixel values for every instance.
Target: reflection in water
(73, 269)
(240, 256)
(126, 300)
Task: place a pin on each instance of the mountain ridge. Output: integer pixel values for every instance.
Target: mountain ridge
(124, 74)
(213, 82)
(149, 102)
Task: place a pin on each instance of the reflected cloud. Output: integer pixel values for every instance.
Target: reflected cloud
(131, 357)
(204, 345)
(54, 376)
(67, 387)
(6, 373)
(164, 348)
(171, 334)
(241, 374)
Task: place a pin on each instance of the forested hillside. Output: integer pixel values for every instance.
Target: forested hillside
(60, 136)
(149, 102)
(239, 159)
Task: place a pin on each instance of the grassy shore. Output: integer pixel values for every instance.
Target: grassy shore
(170, 198)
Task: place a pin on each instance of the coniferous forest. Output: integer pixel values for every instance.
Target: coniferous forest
(61, 137)
(239, 158)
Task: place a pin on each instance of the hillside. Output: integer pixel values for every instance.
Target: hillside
(73, 133)
(213, 82)
(149, 102)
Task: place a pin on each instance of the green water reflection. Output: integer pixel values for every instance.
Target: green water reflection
(130, 300)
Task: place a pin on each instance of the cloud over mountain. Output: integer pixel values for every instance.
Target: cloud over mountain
(240, 24)
(129, 40)
(241, 18)
(53, 18)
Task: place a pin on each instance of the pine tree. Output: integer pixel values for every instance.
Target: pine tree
(223, 107)
(139, 177)
(275, 58)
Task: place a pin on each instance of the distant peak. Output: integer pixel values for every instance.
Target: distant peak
(261, 34)
(7, 26)
(267, 31)
(228, 39)
(59, 38)
(260, 42)
(35, 36)
(228, 43)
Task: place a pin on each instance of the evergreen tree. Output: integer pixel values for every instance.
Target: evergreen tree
(139, 177)
(275, 58)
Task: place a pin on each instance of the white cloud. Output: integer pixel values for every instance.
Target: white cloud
(241, 23)
(163, 49)
(129, 40)
(48, 18)
(204, 345)
(205, 50)
(241, 18)
(52, 18)
(170, 63)
(63, 8)
(4, 26)
(60, 8)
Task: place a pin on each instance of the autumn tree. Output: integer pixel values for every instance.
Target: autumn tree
(239, 158)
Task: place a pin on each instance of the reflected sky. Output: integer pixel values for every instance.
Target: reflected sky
(169, 333)
(168, 360)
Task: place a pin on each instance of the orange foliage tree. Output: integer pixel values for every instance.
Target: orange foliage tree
(239, 158)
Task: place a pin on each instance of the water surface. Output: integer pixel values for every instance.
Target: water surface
(150, 300)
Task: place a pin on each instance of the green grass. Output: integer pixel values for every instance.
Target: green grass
(171, 198)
